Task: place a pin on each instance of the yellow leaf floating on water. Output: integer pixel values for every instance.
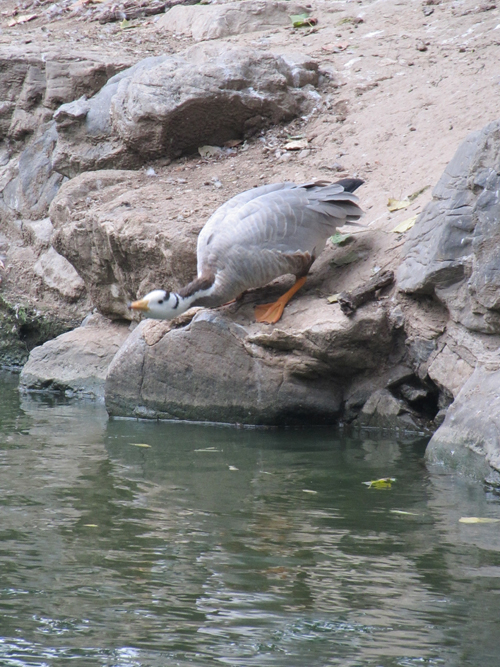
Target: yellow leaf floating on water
(382, 483)
(140, 444)
(90, 525)
(477, 519)
(397, 205)
(405, 225)
(208, 449)
(233, 468)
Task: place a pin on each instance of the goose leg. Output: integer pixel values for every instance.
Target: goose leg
(270, 313)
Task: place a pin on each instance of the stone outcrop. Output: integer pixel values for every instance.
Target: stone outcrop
(472, 424)
(75, 363)
(124, 245)
(232, 18)
(226, 368)
(170, 105)
(32, 86)
(453, 254)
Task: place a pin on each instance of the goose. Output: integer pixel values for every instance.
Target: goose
(255, 237)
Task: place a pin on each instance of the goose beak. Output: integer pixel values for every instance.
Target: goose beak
(141, 305)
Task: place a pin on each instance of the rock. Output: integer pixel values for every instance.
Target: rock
(232, 18)
(37, 232)
(217, 369)
(57, 273)
(32, 184)
(194, 373)
(471, 425)
(123, 245)
(76, 362)
(165, 106)
(383, 410)
(31, 86)
(453, 251)
(22, 328)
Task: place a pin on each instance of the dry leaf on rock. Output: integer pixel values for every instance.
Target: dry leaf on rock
(405, 225)
(296, 145)
(24, 18)
(341, 239)
(302, 21)
(397, 205)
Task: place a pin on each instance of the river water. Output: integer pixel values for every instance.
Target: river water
(135, 544)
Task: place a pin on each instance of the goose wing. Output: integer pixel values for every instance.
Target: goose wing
(269, 231)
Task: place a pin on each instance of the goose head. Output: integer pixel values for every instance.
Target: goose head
(158, 305)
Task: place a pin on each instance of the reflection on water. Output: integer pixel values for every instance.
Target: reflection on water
(213, 545)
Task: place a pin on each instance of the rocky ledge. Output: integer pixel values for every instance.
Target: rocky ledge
(109, 168)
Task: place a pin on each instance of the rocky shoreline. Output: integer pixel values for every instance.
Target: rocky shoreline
(109, 167)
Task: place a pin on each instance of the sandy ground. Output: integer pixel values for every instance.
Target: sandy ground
(406, 83)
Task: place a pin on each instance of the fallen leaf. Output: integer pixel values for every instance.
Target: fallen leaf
(397, 205)
(382, 483)
(233, 468)
(341, 239)
(333, 298)
(126, 24)
(296, 145)
(309, 491)
(351, 257)
(477, 519)
(413, 196)
(209, 151)
(208, 449)
(335, 48)
(24, 18)
(302, 20)
(404, 513)
(140, 444)
(405, 225)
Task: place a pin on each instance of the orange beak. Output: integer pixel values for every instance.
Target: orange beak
(141, 305)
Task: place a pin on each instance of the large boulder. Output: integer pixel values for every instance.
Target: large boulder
(123, 245)
(472, 424)
(224, 367)
(170, 105)
(32, 85)
(453, 251)
(452, 255)
(203, 22)
(76, 362)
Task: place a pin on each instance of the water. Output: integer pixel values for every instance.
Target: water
(217, 546)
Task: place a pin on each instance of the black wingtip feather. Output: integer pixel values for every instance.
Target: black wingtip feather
(350, 184)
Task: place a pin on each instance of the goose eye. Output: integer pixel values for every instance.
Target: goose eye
(160, 301)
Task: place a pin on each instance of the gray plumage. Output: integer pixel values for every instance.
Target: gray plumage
(267, 232)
